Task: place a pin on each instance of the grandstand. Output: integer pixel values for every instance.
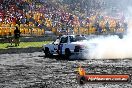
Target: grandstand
(34, 17)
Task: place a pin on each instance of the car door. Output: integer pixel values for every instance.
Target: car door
(63, 43)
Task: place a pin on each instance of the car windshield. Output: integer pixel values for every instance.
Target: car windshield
(77, 38)
(64, 40)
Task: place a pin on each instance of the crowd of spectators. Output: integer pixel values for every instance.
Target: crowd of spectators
(32, 17)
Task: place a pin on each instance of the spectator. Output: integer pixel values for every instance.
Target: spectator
(117, 25)
(125, 25)
(107, 26)
(17, 36)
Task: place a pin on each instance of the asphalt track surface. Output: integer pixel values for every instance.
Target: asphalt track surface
(33, 70)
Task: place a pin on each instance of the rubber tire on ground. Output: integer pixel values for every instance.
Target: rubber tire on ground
(67, 53)
(47, 52)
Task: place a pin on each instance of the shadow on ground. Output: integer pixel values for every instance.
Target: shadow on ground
(20, 50)
(57, 57)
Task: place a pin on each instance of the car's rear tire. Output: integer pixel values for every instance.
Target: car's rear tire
(47, 52)
(67, 53)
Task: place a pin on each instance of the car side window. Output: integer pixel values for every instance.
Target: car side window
(72, 39)
(64, 40)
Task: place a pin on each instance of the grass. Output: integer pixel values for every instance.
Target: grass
(23, 45)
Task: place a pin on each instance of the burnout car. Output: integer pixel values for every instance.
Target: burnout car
(66, 45)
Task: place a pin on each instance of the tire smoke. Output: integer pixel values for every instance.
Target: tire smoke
(111, 47)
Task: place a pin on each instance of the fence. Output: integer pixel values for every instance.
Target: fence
(25, 31)
(36, 31)
(93, 30)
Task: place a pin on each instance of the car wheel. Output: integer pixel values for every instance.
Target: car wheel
(67, 53)
(47, 52)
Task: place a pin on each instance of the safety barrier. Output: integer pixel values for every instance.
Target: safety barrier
(25, 31)
(6, 31)
(93, 30)
(36, 31)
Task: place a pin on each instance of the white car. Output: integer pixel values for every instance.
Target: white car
(65, 45)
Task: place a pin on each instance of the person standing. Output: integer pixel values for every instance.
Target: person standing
(107, 27)
(17, 36)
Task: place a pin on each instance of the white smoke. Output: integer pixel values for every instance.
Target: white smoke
(111, 47)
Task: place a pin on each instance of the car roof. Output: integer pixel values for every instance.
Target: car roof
(71, 35)
(67, 35)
